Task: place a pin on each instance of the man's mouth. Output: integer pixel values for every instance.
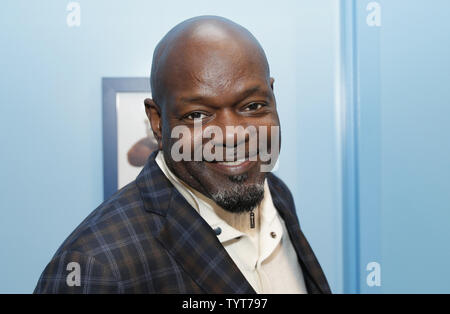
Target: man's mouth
(232, 163)
(234, 167)
(233, 160)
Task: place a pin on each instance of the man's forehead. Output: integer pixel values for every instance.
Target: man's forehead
(211, 72)
(240, 90)
(215, 75)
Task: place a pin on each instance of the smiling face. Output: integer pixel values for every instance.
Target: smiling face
(215, 73)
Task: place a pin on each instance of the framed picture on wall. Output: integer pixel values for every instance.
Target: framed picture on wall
(127, 136)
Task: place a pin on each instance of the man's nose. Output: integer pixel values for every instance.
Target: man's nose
(232, 127)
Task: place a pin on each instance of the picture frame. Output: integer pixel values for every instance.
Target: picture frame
(125, 126)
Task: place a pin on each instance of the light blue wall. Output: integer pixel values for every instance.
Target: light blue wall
(403, 110)
(50, 113)
(415, 137)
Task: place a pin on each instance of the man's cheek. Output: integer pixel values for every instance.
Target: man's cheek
(180, 149)
(269, 146)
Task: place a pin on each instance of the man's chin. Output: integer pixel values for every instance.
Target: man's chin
(234, 191)
(239, 198)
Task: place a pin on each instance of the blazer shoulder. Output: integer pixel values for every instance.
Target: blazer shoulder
(72, 272)
(104, 247)
(104, 223)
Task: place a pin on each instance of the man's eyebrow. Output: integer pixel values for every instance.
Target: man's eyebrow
(251, 91)
(205, 99)
(193, 99)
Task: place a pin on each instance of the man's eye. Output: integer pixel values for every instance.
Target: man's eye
(196, 115)
(253, 107)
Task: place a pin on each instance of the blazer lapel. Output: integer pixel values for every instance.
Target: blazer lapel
(187, 236)
(314, 277)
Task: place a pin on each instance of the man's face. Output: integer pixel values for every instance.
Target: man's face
(220, 89)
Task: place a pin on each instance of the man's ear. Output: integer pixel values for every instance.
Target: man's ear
(154, 116)
(271, 82)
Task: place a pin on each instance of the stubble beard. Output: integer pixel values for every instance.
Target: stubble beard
(240, 197)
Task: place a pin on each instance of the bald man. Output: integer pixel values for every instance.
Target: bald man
(205, 215)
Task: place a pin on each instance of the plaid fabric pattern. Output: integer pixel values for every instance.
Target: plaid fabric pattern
(146, 238)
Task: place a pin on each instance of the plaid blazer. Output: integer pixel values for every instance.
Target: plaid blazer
(146, 238)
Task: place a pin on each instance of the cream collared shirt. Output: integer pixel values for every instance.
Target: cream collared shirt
(264, 254)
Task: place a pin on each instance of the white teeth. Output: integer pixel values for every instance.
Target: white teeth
(232, 163)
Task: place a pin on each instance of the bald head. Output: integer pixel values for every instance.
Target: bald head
(207, 49)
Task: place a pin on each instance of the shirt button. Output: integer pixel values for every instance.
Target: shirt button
(273, 234)
(218, 231)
